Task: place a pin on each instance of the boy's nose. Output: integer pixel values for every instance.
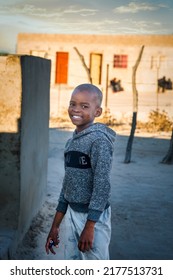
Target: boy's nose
(76, 109)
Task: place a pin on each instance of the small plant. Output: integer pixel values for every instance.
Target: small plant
(157, 121)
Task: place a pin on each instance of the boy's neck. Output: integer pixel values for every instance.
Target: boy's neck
(78, 129)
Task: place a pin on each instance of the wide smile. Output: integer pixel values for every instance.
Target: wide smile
(74, 117)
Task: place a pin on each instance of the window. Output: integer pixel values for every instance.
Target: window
(120, 61)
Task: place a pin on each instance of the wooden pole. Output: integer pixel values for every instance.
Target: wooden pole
(135, 109)
(107, 83)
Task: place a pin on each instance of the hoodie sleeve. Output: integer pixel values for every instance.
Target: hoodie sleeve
(62, 204)
(101, 162)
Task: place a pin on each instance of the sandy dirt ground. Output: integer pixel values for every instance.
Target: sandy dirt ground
(142, 201)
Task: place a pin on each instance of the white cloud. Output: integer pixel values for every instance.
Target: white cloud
(142, 27)
(28, 10)
(31, 10)
(83, 12)
(134, 7)
(157, 23)
(163, 6)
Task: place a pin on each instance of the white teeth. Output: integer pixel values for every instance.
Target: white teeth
(76, 117)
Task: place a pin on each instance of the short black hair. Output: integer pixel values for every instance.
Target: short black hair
(91, 89)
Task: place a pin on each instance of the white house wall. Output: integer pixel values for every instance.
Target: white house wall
(156, 62)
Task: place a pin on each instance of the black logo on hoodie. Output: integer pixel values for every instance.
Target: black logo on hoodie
(77, 159)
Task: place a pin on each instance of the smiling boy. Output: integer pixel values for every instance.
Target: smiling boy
(85, 194)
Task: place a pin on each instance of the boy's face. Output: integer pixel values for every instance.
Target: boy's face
(83, 108)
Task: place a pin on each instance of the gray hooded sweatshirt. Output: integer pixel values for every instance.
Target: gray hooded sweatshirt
(88, 159)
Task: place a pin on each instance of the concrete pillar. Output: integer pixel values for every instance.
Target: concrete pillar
(24, 136)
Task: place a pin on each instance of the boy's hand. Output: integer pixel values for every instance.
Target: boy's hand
(87, 236)
(52, 240)
(54, 233)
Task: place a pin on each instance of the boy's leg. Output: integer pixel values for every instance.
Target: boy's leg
(71, 251)
(102, 234)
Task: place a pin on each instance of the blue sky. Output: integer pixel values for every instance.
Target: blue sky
(83, 17)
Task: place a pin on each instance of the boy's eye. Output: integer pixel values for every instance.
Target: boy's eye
(84, 106)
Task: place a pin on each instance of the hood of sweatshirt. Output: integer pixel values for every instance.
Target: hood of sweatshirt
(97, 127)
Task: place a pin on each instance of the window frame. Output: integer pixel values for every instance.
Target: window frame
(120, 61)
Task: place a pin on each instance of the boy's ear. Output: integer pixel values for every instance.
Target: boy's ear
(98, 112)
